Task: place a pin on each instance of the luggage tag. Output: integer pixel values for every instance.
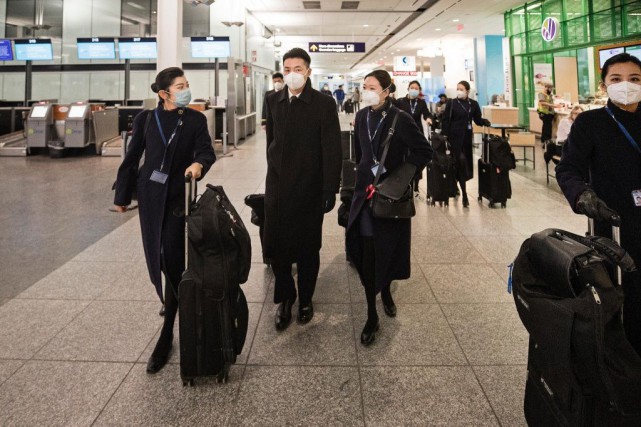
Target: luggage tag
(636, 197)
(158, 176)
(375, 169)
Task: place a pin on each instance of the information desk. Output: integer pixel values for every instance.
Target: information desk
(501, 114)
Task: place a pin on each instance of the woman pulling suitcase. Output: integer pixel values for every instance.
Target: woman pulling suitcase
(380, 248)
(175, 142)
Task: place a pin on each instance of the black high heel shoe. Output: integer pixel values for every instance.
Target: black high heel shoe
(466, 202)
(160, 356)
(368, 336)
(388, 303)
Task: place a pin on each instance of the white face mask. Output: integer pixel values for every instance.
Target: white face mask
(461, 94)
(278, 86)
(625, 93)
(370, 98)
(413, 93)
(295, 81)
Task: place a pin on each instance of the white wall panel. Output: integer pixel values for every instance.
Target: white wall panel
(45, 86)
(13, 86)
(74, 87)
(107, 85)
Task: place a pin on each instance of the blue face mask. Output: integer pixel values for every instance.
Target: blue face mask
(413, 93)
(183, 98)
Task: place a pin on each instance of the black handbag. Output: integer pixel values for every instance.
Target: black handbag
(394, 197)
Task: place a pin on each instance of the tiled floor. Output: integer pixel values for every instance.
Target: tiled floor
(78, 317)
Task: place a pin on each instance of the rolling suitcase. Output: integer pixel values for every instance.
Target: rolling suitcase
(348, 106)
(212, 306)
(348, 178)
(582, 371)
(441, 172)
(494, 183)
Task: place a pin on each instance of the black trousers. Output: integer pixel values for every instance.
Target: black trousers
(546, 131)
(285, 288)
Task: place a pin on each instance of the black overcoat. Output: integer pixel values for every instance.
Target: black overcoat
(161, 206)
(421, 111)
(392, 237)
(598, 152)
(303, 163)
(457, 125)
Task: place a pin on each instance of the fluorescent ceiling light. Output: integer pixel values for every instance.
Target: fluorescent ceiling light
(365, 25)
(438, 29)
(455, 20)
(135, 5)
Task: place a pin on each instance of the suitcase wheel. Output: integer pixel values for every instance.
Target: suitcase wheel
(189, 383)
(440, 204)
(480, 199)
(503, 205)
(447, 204)
(433, 203)
(223, 376)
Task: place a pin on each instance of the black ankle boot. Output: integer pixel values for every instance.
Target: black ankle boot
(466, 202)
(369, 331)
(388, 303)
(160, 355)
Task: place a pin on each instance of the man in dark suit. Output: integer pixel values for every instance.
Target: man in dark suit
(277, 80)
(303, 175)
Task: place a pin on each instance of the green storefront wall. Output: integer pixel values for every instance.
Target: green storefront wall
(583, 24)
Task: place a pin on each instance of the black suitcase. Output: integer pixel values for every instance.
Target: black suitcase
(494, 179)
(346, 144)
(213, 309)
(441, 172)
(582, 371)
(348, 106)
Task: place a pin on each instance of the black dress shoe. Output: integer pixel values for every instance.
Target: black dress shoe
(160, 356)
(466, 202)
(369, 331)
(305, 313)
(389, 309)
(284, 314)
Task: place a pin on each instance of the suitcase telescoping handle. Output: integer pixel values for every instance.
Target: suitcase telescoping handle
(190, 195)
(615, 222)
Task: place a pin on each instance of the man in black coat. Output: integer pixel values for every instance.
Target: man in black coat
(303, 176)
(277, 80)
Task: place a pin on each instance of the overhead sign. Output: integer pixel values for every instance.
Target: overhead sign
(404, 63)
(336, 47)
(404, 73)
(550, 29)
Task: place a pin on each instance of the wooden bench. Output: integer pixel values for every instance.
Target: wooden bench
(524, 140)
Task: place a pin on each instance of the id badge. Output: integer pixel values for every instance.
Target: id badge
(636, 197)
(159, 177)
(469, 126)
(375, 169)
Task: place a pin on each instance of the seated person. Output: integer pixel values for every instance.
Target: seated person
(562, 133)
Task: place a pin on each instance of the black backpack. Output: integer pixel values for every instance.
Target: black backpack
(442, 155)
(581, 368)
(501, 154)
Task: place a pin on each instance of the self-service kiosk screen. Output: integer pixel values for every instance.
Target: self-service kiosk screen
(6, 54)
(606, 54)
(76, 111)
(33, 49)
(39, 111)
(96, 48)
(137, 48)
(210, 47)
(634, 50)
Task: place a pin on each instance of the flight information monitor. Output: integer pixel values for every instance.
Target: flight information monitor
(210, 47)
(6, 54)
(33, 49)
(96, 48)
(605, 54)
(39, 111)
(77, 111)
(634, 50)
(137, 47)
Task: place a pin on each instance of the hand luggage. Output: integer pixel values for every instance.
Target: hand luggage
(348, 178)
(582, 371)
(257, 204)
(494, 182)
(212, 306)
(348, 106)
(441, 171)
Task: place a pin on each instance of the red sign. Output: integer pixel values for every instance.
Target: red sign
(404, 73)
(245, 70)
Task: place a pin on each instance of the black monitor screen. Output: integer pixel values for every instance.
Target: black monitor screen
(96, 48)
(137, 48)
(33, 50)
(210, 47)
(6, 54)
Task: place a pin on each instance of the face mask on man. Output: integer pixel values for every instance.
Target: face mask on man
(625, 93)
(325, 87)
(295, 81)
(278, 86)
(461, 94)
(183, 98)
(413, 93)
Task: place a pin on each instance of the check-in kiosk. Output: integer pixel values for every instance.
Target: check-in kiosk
(78, 126)
(39, 125)
(108, 139)
(13, 141)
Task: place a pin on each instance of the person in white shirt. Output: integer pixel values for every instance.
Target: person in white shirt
(565, 125)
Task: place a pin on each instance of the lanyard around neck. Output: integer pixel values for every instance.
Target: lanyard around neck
(634, 143)
(162, 133)
(378, 126)
(413, 107)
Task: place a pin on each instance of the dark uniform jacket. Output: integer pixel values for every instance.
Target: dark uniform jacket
(457, 125)
(392, 237)
(161, 206)
(303, 163)
(597, 152)
(417, 108)
(263, 120)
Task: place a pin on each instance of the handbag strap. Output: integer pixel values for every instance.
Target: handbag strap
(390, 133)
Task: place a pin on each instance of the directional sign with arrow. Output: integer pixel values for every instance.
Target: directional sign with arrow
(336, 47)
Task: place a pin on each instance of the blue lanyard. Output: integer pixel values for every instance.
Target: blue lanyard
(634, 144)
(164, 139)
(369, 132)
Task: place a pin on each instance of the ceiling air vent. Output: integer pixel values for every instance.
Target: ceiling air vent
(311, 5)
(353, 5)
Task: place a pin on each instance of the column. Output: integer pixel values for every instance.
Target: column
(170, 33)
(488, 52)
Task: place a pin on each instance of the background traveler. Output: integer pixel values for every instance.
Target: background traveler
(277, 80)
(546, 112)
(356, 98)
(414, 106)
(340, 98)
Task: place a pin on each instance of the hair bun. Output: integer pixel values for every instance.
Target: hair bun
(154, 87)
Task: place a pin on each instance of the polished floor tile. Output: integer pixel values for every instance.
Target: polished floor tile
(8, 367)
(464, 283)
(503, 386)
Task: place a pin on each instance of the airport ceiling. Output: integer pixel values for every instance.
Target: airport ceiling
(387, 27)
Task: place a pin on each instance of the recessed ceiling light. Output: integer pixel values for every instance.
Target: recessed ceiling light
(454, 20)
(278, 30)
(438, 29)
(365, 25)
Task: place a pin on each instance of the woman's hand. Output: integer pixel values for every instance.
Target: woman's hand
(196, 170)
(120, 209)
(429, 122)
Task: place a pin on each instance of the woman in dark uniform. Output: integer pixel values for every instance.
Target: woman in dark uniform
(414, 106)
(600, 172)
(380, 248)
(175, 142)
(457, 126)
